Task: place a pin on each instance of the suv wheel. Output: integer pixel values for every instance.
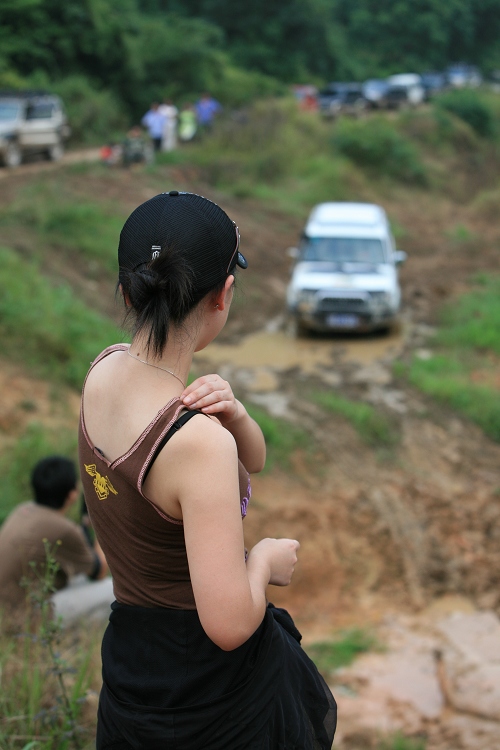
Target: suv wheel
(13, 156)
(56, 151)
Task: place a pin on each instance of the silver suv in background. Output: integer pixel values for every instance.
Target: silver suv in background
(345, 273)
(31, 122)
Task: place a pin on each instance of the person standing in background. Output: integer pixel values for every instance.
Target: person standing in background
(154, 121)
(187, 123)
(170, 113)
(206, 109)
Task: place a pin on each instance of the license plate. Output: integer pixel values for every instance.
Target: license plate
(342, 321)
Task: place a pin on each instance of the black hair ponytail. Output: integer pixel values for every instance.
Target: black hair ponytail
(161, 293)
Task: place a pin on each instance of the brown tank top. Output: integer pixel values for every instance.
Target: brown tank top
(144, 548)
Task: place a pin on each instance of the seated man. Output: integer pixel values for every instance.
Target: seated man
(22, 549)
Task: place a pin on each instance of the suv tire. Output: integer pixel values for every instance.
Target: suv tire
(13, 156)
(55, 152)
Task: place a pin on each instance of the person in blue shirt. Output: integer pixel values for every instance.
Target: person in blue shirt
(154, 121)
(206, 109)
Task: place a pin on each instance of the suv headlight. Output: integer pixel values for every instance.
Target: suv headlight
(306, 299)
(380, 300)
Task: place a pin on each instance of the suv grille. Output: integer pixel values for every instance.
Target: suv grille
(344, 304)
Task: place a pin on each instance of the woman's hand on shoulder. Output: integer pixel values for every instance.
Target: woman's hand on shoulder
(212, 395)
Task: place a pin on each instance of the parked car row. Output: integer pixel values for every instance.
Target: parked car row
(403, 89)
(31, 122)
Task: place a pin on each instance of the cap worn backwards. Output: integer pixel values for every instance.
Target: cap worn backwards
(186, 221)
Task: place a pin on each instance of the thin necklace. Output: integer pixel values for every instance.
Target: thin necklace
(157, 367)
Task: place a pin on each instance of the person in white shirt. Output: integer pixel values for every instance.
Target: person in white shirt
(170, 113)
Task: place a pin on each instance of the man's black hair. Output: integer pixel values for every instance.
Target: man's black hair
(52, 479)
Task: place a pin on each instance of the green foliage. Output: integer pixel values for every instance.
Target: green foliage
(472, 107)
(64, 335)
(376, 145)
(331, 655)
(282, 438)
(17, 460)
(372, 426)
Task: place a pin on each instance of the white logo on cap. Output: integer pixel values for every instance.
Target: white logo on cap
(156, 251)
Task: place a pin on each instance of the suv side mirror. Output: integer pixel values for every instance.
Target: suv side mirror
(400, 256)
(293, 252)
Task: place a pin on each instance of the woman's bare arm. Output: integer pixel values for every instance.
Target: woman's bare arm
(229, 593)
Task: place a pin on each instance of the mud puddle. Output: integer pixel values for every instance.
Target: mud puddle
(278, 351)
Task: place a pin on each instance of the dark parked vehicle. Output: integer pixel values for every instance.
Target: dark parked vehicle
(405, 89)
(375, 92)
(345, 98)
(433, 83)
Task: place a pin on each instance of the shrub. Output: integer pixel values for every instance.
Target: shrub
(376, 145)
(94, 115)
(471, 107)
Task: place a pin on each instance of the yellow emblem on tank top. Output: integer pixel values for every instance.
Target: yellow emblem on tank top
(102, 485)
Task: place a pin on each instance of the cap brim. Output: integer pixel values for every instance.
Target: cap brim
(241, 261)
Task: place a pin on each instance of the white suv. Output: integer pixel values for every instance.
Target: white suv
(345, 274)
(31, 122)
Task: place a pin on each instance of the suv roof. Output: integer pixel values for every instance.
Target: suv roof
(347, 219)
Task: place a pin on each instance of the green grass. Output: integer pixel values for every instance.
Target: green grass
(463, 371)
(371, 425)
(282, 438)
(399, 742)
(46, 327)
(331, 655)
(55, 217)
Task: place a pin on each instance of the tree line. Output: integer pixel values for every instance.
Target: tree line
(140, 50)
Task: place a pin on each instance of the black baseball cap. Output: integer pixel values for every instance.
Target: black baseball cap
(189, 223)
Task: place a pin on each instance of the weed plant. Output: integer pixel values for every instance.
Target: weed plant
(371, 425)
(463, 371)
(60, 335)
(48, 674)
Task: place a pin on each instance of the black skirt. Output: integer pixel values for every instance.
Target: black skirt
(167, 685)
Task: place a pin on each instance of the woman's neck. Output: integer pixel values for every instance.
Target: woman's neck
(175, 360)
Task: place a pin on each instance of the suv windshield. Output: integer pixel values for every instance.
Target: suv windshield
(8, 110)
(342, 250)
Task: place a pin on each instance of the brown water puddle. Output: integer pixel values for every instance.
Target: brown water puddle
(279, 351)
